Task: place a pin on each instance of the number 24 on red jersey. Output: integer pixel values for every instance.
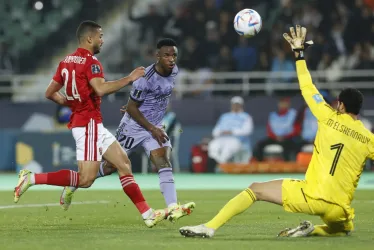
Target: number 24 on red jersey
(75, 73)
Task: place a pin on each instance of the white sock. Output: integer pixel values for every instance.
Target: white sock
(147, 214)
(32, 179)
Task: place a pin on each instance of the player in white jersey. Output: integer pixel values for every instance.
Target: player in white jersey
(142, 126)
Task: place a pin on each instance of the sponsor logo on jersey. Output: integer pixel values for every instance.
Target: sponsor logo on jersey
(137, 93)
(95, 69)
(317, 98)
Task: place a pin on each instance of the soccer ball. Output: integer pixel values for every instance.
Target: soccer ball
(247, 23)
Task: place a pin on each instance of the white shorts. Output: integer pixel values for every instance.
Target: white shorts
(92, 141)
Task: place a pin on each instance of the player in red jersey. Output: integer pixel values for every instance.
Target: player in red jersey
(82, 77)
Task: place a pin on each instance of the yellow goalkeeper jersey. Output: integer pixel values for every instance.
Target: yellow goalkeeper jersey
(341, 147)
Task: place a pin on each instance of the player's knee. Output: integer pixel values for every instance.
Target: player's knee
(124, 167)
(109, 170)
(256, 189)
(85, 181)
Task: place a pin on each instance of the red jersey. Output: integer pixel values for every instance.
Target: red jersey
(75, 73)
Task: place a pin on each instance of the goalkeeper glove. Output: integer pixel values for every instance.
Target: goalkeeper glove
(297, 40)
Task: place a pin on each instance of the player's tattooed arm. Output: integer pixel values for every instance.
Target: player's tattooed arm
(52, 93)
(102, 87)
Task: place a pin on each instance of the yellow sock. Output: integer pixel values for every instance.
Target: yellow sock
(235, 206)
(324, 230)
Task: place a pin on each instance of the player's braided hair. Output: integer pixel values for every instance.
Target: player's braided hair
(352, 99)
(86, 26)
(166, 42)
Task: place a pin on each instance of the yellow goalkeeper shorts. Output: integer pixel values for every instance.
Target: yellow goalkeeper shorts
(296, 201)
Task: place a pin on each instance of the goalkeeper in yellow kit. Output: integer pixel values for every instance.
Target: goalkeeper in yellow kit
(341, 148)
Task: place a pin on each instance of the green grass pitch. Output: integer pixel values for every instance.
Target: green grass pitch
(115, 224)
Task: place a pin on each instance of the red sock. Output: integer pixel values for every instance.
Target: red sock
(133, 192)
(60, 178)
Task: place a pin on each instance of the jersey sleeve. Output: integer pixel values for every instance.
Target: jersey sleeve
(58, 76)
(139, 90)
(94, 69)
(320, 109)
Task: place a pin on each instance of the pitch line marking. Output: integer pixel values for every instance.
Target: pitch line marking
(53, 204)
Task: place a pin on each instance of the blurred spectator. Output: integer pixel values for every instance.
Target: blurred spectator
(286, 12)
(152, 21)
(6, 67)
(337, 37)
(276, 36)
(353, 59)
(325, 63)
(315, 52)
(176, 24)
(203, 87)
(263, 64)
(231, 135)
(211, 45)
(225, 62)
(311, 16)
(366, 60)
(190, 55)
(6, 64)
(309, 126)
(147, 56)
(281, 64)
(244, 55)
(281, 129)
(196, 27)
(209, 9)
(228, 36)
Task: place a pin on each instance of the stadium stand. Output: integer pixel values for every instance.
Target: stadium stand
(44, 31)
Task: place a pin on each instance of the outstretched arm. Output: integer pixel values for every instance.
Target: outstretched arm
(320, 109)
(102, 87)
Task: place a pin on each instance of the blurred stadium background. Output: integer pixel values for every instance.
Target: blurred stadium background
(216, 64)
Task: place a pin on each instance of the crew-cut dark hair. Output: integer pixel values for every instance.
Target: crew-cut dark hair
(166, 42)
(86, 26)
